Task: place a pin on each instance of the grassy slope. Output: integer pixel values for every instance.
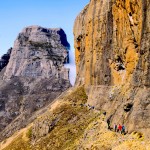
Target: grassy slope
(77, 128)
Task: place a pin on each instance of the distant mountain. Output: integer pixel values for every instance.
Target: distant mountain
(34, 76)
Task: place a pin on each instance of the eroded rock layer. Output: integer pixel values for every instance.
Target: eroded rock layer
(112, 42)
(33, 78)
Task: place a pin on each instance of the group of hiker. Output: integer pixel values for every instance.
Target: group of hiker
(117, 128)
(88, 106)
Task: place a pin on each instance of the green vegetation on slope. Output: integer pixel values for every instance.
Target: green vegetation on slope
(71, 126)
(73, 120)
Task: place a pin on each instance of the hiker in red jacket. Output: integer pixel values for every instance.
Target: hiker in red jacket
(119, 128)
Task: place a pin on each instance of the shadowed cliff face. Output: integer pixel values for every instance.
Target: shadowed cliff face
(33, 78)
(63, 39)
(5, 59)
(112, 42)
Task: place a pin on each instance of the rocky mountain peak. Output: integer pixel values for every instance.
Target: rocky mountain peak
(39, 52)
(34, 76)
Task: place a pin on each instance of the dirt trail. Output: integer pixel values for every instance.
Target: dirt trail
(50, 107)
(6, 142)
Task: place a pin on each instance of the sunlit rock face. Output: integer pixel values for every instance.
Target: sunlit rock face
(34, 76)
(112, 42)
(39, 52)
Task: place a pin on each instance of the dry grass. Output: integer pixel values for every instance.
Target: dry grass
(77, 128)
(74, 120)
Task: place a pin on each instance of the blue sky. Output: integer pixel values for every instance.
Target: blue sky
(17, 14)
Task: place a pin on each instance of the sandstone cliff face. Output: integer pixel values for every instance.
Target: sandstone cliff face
(112, 42)
(34, 76)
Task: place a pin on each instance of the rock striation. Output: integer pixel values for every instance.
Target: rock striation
(34, 76)
(112, 42)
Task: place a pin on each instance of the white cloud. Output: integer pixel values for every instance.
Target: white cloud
(72, 66)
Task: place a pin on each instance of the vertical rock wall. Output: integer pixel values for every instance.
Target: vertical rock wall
(108, 41)
(93, 38)
(112, 42)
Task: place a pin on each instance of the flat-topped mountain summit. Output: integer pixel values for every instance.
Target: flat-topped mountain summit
(39, 52)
